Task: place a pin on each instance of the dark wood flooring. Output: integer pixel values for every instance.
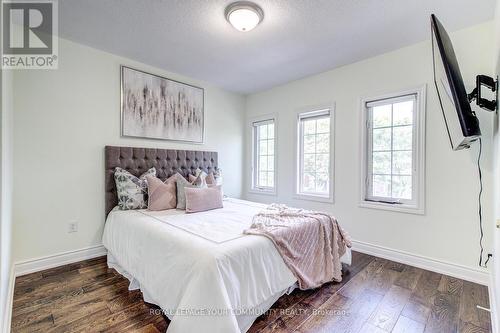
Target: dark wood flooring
(375, 296)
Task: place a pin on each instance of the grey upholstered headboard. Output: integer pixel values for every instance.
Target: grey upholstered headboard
(166, 161)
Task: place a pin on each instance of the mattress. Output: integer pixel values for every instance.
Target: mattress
(199, 268)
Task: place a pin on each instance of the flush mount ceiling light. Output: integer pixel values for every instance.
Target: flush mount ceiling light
(244, 15)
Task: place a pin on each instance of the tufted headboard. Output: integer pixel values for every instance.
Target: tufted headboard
(166, 161)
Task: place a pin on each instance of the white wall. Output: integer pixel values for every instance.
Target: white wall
(448, 231)
(495, 280)
(6, 267)
(6, 199)
(63, 119)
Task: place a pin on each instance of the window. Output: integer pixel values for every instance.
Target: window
(393, 146)
(264, 144)
(314, 155)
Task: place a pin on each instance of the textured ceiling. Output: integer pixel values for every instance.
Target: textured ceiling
(297, 37)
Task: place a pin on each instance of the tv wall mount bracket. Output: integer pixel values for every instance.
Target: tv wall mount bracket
(487, 82)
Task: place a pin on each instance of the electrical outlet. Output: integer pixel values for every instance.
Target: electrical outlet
(72, 226)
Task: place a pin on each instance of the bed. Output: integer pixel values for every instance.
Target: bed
(198, 268)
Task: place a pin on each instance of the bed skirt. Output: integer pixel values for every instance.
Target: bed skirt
(245, 321)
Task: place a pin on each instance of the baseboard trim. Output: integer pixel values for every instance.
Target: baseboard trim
(7, 319)
(60, 259)
(462, 272)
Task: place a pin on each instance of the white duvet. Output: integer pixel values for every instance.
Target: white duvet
(199, 268)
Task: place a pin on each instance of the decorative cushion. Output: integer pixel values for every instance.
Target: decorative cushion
(161, 195)
(218, 177)
(182, 184)
(210, 179)
(203, 199)
(199, 179)
(213, 178)
(132, 191)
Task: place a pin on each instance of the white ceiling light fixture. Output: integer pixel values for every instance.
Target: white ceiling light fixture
(244, 15)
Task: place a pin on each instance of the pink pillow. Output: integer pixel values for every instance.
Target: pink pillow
(203, 199)
(161, 195)
(198, 180)
(210, 179)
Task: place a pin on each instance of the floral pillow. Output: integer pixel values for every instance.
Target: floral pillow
(132, 191)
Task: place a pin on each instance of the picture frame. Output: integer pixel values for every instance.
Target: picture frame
(156, 107)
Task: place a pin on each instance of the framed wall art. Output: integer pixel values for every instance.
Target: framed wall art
(160, 108)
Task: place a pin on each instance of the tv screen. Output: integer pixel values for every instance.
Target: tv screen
(461, 122)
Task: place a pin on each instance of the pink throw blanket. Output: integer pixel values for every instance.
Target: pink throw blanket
(311, 243)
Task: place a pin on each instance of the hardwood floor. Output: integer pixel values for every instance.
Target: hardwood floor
(375, 296)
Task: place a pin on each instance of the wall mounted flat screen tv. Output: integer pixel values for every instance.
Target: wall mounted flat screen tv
(461, 122)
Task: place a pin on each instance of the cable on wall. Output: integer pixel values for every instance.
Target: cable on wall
(481, 208)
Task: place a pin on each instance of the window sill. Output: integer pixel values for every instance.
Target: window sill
(408, 209)
(264, 192)
(312, 197)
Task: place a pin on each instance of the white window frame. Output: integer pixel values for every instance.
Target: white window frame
(304, 113)
(253, 172)
(417, 206)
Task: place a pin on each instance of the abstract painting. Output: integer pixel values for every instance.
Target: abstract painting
(156, 107)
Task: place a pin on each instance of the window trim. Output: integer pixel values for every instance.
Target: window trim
(298, 154)
(253, 189)
(369, 130)
(419, 154)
